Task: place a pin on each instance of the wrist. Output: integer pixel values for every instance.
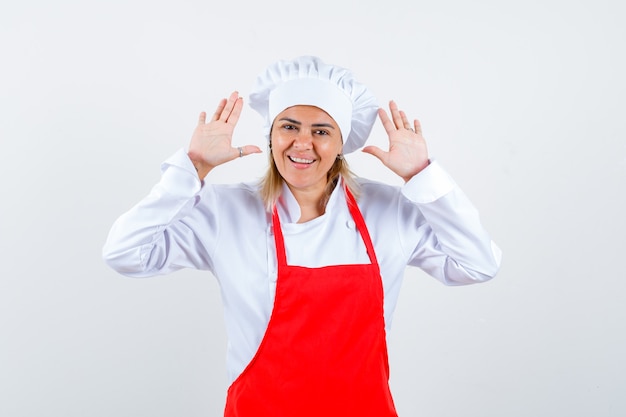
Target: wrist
(419, 169)
(202, 168)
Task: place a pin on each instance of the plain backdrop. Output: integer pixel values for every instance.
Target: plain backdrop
(522, 102)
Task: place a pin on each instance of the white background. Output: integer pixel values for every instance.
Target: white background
(523, 102)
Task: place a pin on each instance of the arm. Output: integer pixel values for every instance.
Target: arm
(168, 230)
(451, 244)
(155, 236)
(449, 241)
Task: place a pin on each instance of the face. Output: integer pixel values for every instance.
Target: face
(305, 144)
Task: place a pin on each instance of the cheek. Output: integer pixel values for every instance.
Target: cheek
(278, 147)
(275, 157)
(333, 148)
(278, 141)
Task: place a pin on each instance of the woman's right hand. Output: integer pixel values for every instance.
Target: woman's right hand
(211, 143)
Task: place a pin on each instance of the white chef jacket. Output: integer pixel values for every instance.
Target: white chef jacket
(185, 223)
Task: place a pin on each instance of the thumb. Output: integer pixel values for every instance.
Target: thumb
(250, 149)
(376, 151)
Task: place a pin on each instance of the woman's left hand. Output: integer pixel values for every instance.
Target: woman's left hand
(407, 153)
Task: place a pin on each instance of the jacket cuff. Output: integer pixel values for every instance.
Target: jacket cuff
(432, 183)
(179, 176)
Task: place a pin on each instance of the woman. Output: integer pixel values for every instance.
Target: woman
(310, 260)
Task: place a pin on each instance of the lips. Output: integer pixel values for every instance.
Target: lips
(301, 160)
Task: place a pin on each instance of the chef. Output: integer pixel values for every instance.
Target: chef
(310, 259)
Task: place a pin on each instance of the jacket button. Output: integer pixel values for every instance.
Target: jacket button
(350, 224)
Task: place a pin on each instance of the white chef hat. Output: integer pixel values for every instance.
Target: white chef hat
(307, 80)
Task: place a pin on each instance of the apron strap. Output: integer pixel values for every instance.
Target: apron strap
(278, 238)
(356, 216)
(361, 227)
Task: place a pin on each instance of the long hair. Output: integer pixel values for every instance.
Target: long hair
(272, 182)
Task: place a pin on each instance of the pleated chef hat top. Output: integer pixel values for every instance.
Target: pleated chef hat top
(307, 80)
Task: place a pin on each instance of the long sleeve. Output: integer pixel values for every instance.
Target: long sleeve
(183, 223)
(157, 235)
(452, 245)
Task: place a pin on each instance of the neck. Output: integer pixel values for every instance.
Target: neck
(310, 202)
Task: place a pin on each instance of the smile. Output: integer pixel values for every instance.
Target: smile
(301, 160)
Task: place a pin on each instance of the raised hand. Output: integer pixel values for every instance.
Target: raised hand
(211, 143)
(407, 154)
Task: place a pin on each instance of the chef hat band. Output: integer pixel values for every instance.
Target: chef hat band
(313, 92)
(307, 80)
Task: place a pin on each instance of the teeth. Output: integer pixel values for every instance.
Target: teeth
(300, 160)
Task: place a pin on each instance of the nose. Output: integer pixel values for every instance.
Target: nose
(303, 140)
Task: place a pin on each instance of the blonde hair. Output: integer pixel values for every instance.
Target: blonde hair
(272, 182)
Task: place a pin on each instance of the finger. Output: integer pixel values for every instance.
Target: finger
(249, 150)
(395, 115)
(405, 121)
(230, 104)
(236, 111)
(417, 126)
(386, 121)
(219, 110)
(376, 151)
(202, 118)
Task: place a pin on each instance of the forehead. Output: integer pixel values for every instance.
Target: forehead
(307, 115)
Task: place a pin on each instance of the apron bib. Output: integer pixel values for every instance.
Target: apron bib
(324, 352)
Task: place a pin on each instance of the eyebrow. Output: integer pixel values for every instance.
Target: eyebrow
(295, 122)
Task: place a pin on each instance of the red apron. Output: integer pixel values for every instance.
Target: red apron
(324, 352)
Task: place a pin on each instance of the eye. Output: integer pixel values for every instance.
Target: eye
(322, 132)
(289, 126)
